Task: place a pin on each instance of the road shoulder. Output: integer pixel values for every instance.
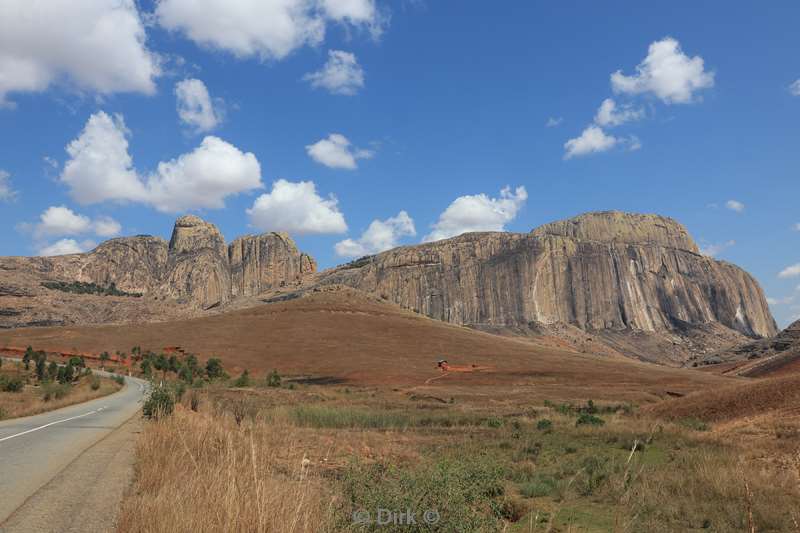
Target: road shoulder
(85, 496)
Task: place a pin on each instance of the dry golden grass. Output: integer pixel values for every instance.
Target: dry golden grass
(283, 466)
(30, 401)
(203, 472)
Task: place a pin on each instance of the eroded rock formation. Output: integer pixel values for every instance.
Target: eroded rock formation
(609, 271)
(193, 272)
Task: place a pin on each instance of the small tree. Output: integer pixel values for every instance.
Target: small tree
(52, 371)
(41, 366)
(214, 368)
(104, 357)
(243, 380)
(28, 357)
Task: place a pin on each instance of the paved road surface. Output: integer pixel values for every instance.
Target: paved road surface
(33, 450)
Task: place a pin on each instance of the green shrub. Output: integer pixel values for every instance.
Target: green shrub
(273, 379)
(55, 391)
(243, 380)
(494, 422)
(694, 424)
(540, 485)
(159, 403)
(465, 492)
(119, 379)
(95, 383)
(214, 369)
(544, 424)
(586, 419)
(79, 287)
(11, 384)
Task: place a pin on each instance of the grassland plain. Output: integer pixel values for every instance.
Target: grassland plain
(314, 457)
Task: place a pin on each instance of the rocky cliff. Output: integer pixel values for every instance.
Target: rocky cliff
(195, 271)
(609, 272)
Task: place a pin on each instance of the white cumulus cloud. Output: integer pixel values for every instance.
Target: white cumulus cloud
(478, 212)
(609, 114)
(195, 107)
(735, 205)
(268, 29)
(7, 193)
(592, 140)
(67, 246)
(57, 221)
(337, 152)
(341, 74)
(666, 72)
(96, 45)
(296, 207)
(552, 122)
(381, 235)
(203, 178)
(794, 88)
(101, 169)
(790, 271)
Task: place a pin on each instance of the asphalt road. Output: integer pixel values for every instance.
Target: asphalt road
(33, 450)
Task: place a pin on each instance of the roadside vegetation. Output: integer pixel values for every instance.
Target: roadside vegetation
(35, 385)
(255, 453)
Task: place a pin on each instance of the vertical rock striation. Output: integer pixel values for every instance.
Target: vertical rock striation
(600, 271)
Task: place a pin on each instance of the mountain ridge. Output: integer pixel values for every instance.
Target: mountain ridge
(635, 281)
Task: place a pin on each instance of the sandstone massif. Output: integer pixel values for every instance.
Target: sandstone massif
(194, 272)
(607, 283)
(638, 282)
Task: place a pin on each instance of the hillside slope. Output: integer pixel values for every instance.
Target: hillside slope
(342, 335)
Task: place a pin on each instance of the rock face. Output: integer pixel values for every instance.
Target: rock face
(194, 271)
(262, 262)
(602, 272)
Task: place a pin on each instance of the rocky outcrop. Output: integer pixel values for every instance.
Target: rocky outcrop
(195, 271)
(763, 357)
(607, 271)
(198, 272)
(263, 262)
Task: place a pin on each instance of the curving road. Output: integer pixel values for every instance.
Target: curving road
(34, 449)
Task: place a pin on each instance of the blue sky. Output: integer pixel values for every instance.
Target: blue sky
(412, 114)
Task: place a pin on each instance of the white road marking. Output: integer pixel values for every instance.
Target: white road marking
(51, 424)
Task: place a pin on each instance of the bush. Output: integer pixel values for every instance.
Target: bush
(12, 384)
(494, 422)
(694, 424)
(159, 403)
(55, 391)
(95, 383)
(541, 485)
(214, 369)
(243, 380)
(465, 492)
(79, 287)
(274, 379)
(119, 379)
(544, 424)
(586, 419)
